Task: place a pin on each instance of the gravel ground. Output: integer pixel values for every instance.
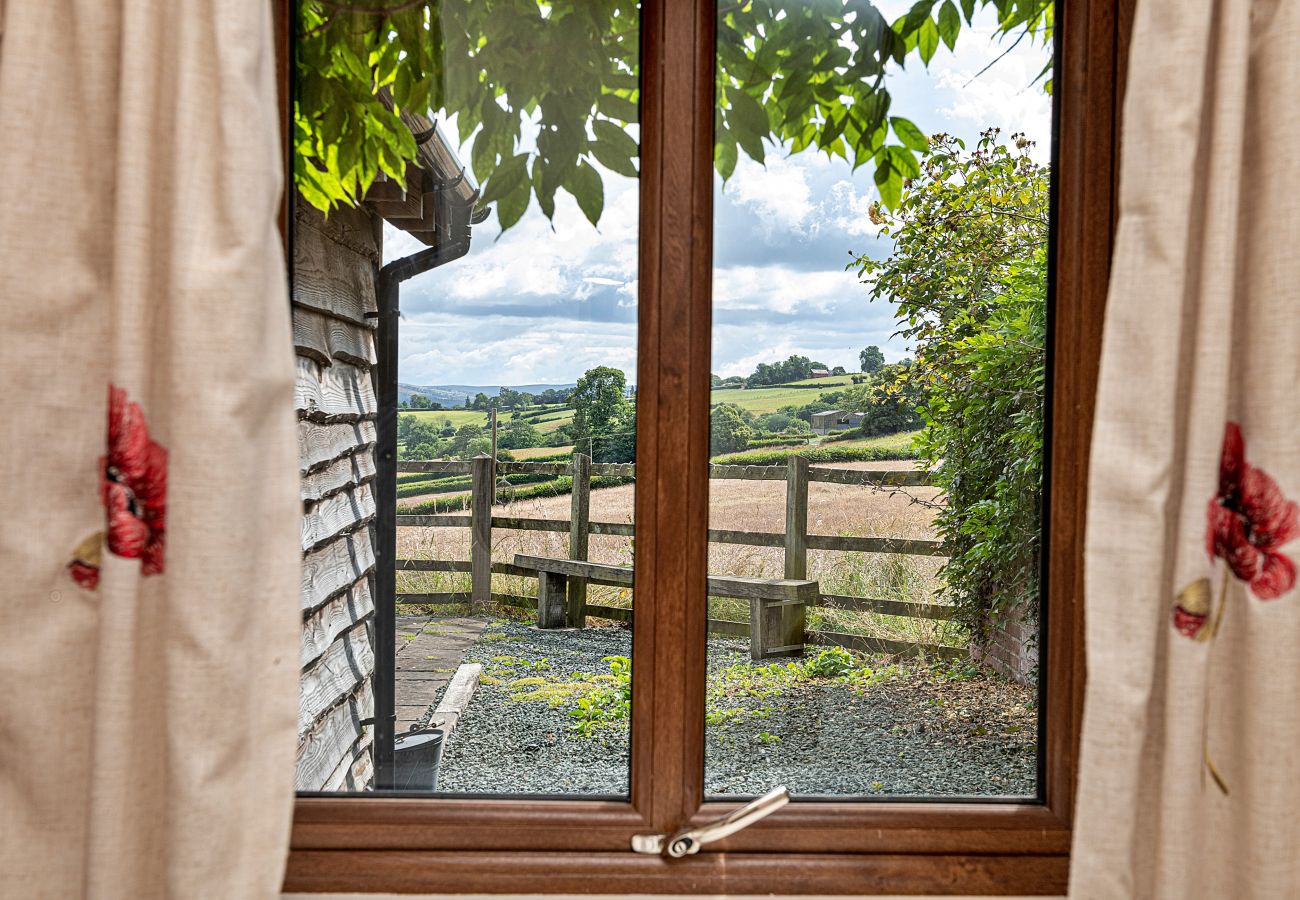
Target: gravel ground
(893, 735)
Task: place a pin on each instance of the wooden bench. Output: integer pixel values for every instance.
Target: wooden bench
(777, 607)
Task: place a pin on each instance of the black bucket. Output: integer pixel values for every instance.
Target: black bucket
(416, 755)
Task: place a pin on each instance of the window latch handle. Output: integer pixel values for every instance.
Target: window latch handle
(690, 840)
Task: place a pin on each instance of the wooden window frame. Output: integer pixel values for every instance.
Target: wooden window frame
(409, 844)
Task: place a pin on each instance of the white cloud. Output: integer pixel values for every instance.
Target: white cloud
(490, 352)
(778, 194)
(778, 289)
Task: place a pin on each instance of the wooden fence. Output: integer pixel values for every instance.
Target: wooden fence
(795, 540)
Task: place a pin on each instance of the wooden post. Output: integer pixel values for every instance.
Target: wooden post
(796, 518)
(492, 416)
(791, 619)
(776, 625)
(483, 491)
(550, 600)
(579, 532)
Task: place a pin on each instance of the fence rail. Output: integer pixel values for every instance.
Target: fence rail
(795, 539)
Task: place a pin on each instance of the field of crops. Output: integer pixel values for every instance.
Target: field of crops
(534, 452)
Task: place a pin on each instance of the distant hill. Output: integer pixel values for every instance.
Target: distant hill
(454, 394)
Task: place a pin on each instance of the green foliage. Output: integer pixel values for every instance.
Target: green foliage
(804, 74)
(419, 438)
(608, 703)
(603, 419)
(463, 444)
(833, 662)
(794, 368)
(889, 400)
(729, 428)
(871, 359)
(518, 434)
(968, 278)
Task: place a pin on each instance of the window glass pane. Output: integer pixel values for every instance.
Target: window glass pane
(510, 671)
(880, 309)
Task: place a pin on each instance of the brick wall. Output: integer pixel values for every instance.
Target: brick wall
(1011, 649)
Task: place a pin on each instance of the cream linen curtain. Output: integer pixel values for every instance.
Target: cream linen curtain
(148, 542)
(1189, 779)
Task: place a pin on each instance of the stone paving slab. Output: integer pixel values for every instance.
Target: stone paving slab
(429, 650)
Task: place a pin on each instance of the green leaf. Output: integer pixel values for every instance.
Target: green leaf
(752, 144)
(915, 17)
(968, 10)
(746, 115)
(609, 133)
(724, 154)
(543, 188)
(888, 182)
(508, 178)
(902, 160)
(911, 136)
(585, 185)
(833, 128)
(611, 159)
(617, 107)
(511, 207)
(949, 23)
(927, 40)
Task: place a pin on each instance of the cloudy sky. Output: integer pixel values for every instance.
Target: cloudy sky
(547, 301)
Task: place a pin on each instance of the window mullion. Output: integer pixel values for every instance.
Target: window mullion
(673, 408)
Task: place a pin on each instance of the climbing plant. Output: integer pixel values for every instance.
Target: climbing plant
(806, 74)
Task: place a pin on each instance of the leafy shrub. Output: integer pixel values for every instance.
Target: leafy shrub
(967, 280)
(831, 663)
(729, 428)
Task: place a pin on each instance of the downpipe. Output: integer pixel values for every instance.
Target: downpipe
(453, 243)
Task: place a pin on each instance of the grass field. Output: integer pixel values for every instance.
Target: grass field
(893, 443)
(458, 417)
(534, 452)
(833, 382)
(552, 420)
(766, 400)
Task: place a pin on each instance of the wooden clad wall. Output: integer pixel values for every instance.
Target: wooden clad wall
(334, 287)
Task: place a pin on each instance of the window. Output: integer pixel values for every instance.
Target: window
(504, 844)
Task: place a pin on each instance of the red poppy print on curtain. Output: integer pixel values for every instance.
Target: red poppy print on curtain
(1250, 520)
(133, 489)
(1247, 523)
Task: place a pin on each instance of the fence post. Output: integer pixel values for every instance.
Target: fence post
(793, 618)
(579, 530)
(482, 494)
(796, 518)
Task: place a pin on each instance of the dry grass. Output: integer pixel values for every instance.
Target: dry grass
(833, 509)
(531, 452)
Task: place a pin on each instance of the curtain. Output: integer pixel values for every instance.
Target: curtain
(1189, 776)
(149, 536)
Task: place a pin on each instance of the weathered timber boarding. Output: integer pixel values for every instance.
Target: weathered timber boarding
(335, 262)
